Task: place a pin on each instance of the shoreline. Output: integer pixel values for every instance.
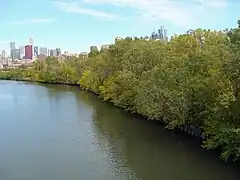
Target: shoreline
(188, 129)
(183, 131)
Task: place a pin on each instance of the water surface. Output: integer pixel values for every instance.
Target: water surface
(56, 132)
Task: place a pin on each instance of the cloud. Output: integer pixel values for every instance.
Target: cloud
(180, 12)
(74, 7)
(184, 13)
(32, 21)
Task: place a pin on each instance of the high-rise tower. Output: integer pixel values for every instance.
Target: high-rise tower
(3, 54)
(12, 45)
(165, 38)
(22, 51)
(36, 51)
(28, 52)
(58, 52)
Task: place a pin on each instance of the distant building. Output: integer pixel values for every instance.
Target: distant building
(43, 51)
(58, 52)
(28, 52)
(165, 35)
(35, 51)
(12, 46)
(3, 54)
(22, 52)
(48, 52)
(83, 54)
(105, 46)
(53, 52)
(93, 48)
(15, 54)
(161, 34)
(66, 53)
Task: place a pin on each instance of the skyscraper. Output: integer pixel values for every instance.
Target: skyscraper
(161, 34)
(66, 53)
(53, 52)
(22, 51)
(3, 54)
(35, 51)
(28, 52)
(15, 53)
(93, 48)
(12, 47)
(165, 35)
(43, 51)
(58, 52)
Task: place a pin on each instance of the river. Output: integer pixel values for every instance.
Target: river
(57, 132)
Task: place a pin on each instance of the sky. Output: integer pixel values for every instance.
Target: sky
(74, 25)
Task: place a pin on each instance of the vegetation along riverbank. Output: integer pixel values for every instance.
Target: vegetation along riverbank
(192, 79)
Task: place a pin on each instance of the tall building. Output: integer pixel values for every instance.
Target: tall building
(35, 51)
(66, 53)
(28, 52)
(53, 52)
(3, 54)
(58, 52)
(83, 54)
(93, 48)
(12, 46)
(161, 34)
(165, 35)
(15, 54)
(43, 51)
(48, 52)
(22, 52)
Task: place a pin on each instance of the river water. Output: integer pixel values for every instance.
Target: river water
(56, 132)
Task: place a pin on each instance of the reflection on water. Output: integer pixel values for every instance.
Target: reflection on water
(56, 132)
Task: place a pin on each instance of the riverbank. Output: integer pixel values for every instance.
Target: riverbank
(189, 88)
(184, 132)
(188, 129)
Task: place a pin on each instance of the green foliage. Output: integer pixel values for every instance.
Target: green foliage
(192, 79)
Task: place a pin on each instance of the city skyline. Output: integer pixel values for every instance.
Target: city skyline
(76, 25)
(161, 34)
(30, 51)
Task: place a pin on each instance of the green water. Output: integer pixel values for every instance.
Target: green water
(55, 132)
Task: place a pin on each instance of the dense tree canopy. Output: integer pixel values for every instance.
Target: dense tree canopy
(192, 79)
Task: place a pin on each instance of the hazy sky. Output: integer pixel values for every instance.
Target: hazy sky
(74, 25)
